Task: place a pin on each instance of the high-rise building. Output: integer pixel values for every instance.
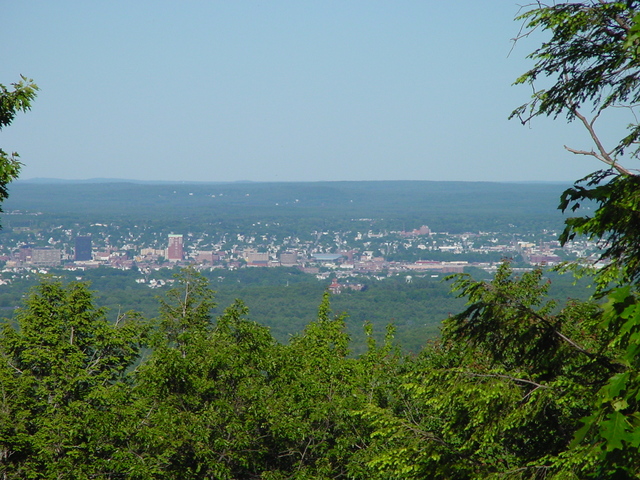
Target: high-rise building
(175, 252)
(83, 249)
(24, 254)
(288, 259)
(251, 255)
(46, 257)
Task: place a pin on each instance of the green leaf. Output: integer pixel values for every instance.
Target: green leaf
(617, 383)
(614, 430)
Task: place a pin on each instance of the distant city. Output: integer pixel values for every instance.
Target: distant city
(327, 254)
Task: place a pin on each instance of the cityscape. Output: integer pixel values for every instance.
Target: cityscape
(327, 254)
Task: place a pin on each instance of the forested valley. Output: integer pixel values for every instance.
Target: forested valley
(285, 300)
(518, 385)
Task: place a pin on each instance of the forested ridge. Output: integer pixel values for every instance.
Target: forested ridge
(293, 208)
(517, 386)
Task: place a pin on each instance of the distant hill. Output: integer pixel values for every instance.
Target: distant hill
(40, 181)
(444, 206)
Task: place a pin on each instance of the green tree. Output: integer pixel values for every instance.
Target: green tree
(186, 309)
(12, 101)
(502, 392)
(591, 65)
(518, 388)
(592, 60)
(314, 393)
(204, 388)
(63, 386)
(611, 433)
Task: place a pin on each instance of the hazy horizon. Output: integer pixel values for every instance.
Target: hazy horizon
(160, 181)
(280, 91)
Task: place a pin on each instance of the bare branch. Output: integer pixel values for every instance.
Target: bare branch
(622, 22)
(522, 33)
(603, 155)
(15, 368)
(508, 377)
(585, 152)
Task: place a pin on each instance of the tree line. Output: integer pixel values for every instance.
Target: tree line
(189, 396)
(514, 386)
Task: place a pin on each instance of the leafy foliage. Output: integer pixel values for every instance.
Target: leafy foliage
(63, 383)
(612, 431)
(11, 102)
(186, 310)
(518, 386)
(586, 59)
(501, 394)
(591, 61)
(616, 222)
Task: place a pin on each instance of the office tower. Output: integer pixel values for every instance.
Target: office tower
(288, 259)
(46, 257)
(174, 252)
(83, 249)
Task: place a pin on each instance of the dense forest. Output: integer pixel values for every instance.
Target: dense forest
(517, 386)
(190, 396)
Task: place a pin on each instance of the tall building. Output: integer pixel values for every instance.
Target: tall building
(46, 257)
(251, 255)
(24, 254)
(288, 259)
(175, 252)
(83, 249)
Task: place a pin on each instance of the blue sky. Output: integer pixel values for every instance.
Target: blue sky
(278, 91)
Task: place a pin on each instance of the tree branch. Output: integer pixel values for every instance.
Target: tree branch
(507, 377)
(602, 154)
(622, 22)
(15, 368)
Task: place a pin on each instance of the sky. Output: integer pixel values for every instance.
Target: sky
(278, 91)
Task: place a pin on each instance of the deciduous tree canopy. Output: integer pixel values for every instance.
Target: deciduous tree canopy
(591, 65)
(12, 101)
